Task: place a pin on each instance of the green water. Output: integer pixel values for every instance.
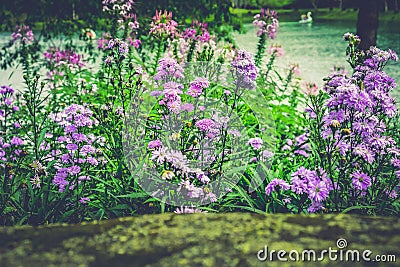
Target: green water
(316, 48)
(319, 47)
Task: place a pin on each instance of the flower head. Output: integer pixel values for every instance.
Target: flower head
(245, 69)
(23, 33)
(281, 184)
(196, 87)
(255, 143)
(266, 22)
(361, 181)
(163, 25)
(205, 125)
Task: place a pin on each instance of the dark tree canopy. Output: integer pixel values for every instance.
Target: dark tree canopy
(31, 11)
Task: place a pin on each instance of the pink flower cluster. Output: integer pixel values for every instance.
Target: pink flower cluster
(163, 25)
(67, 58)
(172, 99)
(23, 33)
(198, 31)
(266, 22)
(168, 69)
(276, 50)
(196, 87)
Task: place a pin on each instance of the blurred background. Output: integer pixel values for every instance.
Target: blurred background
(317, 47)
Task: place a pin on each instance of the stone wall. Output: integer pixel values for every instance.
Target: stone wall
(231, 239)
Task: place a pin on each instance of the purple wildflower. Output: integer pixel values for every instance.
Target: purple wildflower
(245, 69)
(315, 206)
(154, 144)
(283, 185)
(255, 143)
(16, 141)
(318, 191)
(187, 107)
(205, 125)
(168, 68)
(196, 87)
(361, 181)
(72, 147)
(84, 200)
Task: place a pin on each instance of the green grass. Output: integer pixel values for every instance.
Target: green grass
(289, 15)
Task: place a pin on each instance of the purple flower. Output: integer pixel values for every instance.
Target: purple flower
(302, 153)
(351, 38)
(168, 68)
(75, 169)
(60, 179)
(23, 33)
(364, 152)
(205, 125)
(266, 22)
(227, 92)
(92, 161)
(318, 191)
(84, 200)
(255, 143)
(156, 93)
(5, 89)
(72, 147)
(196, 87)
(123, 47)
(109, 60)
(84, 178)
(395, 162)
(203, 178)
(187, 107)
(283, 185)
(16, 141)
(70, 129)
(245, 69)
(361, 181)
(315, 206)
(79, 137)
(314, 183)
(154, 144)
(87, 149)
(172, 90)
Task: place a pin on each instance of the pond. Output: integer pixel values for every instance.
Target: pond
(320, 46)
(316, 48)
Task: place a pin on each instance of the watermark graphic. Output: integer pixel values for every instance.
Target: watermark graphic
(338, 253)
(198, 104)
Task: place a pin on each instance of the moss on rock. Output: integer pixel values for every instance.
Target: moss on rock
(231, 239)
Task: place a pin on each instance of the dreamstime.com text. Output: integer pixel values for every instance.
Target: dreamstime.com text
(339, 253)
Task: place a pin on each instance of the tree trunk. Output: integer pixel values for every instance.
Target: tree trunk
(367, 22)
(386, 6)
(396, 5)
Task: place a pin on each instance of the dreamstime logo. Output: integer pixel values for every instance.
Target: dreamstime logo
(147, 121)
(332, 254)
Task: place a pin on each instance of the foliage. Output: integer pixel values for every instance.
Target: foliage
(78, 143)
